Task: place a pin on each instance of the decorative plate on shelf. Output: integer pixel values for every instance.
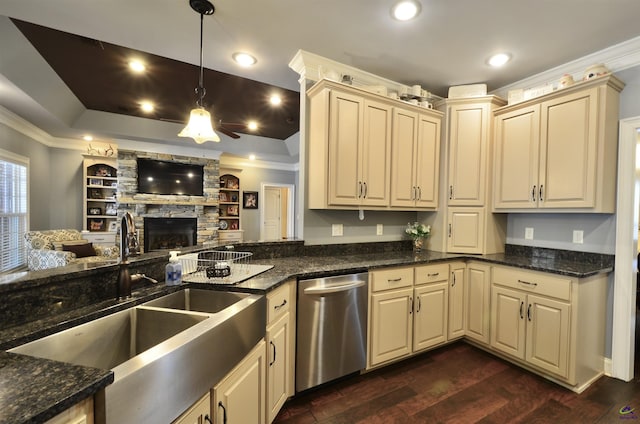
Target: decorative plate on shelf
(223, 225)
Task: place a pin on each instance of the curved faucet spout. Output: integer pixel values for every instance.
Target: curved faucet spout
(128, 247)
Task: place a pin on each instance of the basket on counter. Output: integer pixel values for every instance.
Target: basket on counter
(216, 266)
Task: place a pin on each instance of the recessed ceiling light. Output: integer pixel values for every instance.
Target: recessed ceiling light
(405, 10)
(137, 66)
(252, 125)
(252, 157)
(146, 106)
(244, 59)
(87, 138)
(498, 60)
(275, 99)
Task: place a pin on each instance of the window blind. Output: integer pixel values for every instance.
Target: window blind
(13, 210)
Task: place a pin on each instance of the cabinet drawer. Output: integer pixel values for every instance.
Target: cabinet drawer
(393, 278)
(278, 302)
(533, 282)
(431, 273)
(230, 235)
(100, 238)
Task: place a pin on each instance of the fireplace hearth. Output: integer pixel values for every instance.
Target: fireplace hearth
(169, 233)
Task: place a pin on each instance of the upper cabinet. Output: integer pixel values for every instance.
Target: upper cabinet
(558, 152)
(351, 134)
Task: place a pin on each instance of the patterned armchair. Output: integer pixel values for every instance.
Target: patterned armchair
(53, 248)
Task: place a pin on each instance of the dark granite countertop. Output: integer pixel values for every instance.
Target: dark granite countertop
(33, 390)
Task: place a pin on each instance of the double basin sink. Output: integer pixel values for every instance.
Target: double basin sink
(165, 354)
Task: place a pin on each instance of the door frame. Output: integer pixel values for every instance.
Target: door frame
(624, 284)
(290, 207)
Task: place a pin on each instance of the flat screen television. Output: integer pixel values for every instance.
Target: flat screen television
(160, 177)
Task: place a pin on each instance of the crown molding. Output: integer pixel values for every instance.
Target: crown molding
(241, 163)
(25, 127)
(617, 58)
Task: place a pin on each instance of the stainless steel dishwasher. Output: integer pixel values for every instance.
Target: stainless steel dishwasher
(331, 328)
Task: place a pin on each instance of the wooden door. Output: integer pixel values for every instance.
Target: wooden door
(456, 301)
(391, 325)
(548, 334)
(430, 315)
(478, 300)
(427, 157)
(568, 149)
(272, 203)
(465, 230)
(516, 160)
(345, 140)
(508, 311)
(405, 133)
(376, 152)
(278, 364)
(468, 144)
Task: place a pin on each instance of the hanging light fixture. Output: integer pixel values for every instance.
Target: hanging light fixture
(199, 126)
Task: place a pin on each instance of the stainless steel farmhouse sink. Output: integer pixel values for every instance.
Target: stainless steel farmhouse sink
(165, 354)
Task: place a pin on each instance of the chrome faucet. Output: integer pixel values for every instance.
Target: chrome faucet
(128, 247)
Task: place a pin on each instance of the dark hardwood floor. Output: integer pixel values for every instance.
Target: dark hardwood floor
(461, 384)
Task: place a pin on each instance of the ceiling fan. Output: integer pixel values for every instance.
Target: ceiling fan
(226, 128)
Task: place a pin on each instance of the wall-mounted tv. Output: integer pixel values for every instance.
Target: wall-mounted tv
(160, 177)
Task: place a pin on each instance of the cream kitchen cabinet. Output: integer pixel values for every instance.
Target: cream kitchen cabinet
(457, 311)
(240, 397)
(415, 155)
(551, 324)
(199, 413)
(466, 230)
(80, 413)
(558, 152)
(349, 141)
(477, 301)
(430, 305)
(280, 347)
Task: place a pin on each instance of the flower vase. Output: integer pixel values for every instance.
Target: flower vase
(418, 244)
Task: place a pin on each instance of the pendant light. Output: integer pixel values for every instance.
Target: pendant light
(199, 126)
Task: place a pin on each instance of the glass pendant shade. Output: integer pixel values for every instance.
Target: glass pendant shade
(199, 127)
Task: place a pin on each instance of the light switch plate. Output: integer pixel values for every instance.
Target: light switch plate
(578, 236)
(528, 233)
(379, 229)
(336, 230)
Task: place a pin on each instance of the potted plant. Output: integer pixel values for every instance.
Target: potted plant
(418, 233)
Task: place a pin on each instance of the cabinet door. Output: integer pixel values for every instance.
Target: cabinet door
(278, 365)
(468, 142)
(548, 334)
(427, 159)
(456, 301)
(405, 132)
(478, 301)
(516, 160)
(430, 317)
(465, 230)
(240, 397)
(508, 321)
(568, 149)
(199, 413)
(345, 140)
(376, 150)
(391, 325)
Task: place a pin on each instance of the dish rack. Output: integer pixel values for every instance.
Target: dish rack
(215, 266)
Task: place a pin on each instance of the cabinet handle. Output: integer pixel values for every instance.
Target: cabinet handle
(410, 305)
(365, 189)
(419, 305)
(419, 193)
(521, 310)
(453, 274)
(434, 274)
(224, 412)
(533, 194)
(394, 280)
(449, 230)
(527, 283)
(450, 192)
(413, 193)
(284, 302)
(359, 189)
(274, 353)
(207, 419)
(540, 194)
(529, 312)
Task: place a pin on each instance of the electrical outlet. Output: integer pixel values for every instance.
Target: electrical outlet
(528, 233)
(578, 236)
(336, 230)
(379, 229)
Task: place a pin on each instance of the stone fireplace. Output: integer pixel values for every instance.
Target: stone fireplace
(169, 233)
(201, 209)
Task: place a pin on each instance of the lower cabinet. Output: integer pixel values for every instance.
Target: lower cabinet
(457, 313)
(431, 306)
(199, 413)
(477, 300)
(80, 413)
(240, 397)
